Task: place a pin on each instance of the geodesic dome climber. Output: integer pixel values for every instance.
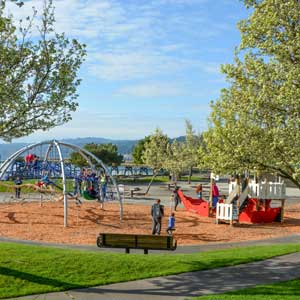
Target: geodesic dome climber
(45, 168)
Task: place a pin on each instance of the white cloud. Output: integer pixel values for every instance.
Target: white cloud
(134, 40)
(152, 90)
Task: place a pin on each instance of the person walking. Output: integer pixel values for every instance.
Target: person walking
(176, 198)
(157, 212)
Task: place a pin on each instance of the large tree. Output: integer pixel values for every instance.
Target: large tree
(255, 123)
(108, 153)
(38, 75)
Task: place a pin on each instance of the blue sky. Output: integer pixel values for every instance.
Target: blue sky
(150, 63)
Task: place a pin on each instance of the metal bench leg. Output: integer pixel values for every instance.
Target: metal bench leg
(145, 251)
(127, 250)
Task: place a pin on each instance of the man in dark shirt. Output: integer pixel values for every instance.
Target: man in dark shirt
(157, 212)
(18, 182)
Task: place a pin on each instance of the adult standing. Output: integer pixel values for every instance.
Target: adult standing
(157, 212)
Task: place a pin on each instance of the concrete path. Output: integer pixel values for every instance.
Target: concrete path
(290, 239)
(190, 284)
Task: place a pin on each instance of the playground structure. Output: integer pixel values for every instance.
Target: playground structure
(51, 161)
(251, 204)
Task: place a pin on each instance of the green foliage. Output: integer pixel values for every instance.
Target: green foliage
(38, 78)
(108, 153)
(255, 123)
(156, 150)
(27, 270)
(193, 142)
(175, 160)
(139, 149)
(183, 156)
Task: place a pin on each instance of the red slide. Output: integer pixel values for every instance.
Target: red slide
(198, 206)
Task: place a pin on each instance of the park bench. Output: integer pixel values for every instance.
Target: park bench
(136, 241)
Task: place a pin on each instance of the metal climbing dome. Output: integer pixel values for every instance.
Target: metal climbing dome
(52, 158)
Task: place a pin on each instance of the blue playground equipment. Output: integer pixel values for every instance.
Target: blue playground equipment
(47, 162)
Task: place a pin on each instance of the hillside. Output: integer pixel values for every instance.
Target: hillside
(124, 146)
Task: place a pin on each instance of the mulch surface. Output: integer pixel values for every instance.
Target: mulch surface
(30, 221)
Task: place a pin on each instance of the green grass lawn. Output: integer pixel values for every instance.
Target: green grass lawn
(287, 290)
(28, 270)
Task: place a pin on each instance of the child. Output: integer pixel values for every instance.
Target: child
(176, 198)
(199, 191)
(18, 182)
(171, 224)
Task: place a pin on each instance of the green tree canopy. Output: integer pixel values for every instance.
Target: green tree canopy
(156, 150)
(155, 153)
(175, 160)
(255, 123)
(108, 153)
(138, 150)
(38, 75)
(193, 142)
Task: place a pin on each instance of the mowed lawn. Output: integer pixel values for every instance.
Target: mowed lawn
(28, 270)
(287, 290)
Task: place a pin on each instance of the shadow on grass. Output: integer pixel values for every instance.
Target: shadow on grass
(216, 281)
(38, 279)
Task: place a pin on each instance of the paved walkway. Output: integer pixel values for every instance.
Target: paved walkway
(185, 285)
(290, 239)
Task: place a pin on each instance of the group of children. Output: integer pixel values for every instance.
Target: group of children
(88, 181)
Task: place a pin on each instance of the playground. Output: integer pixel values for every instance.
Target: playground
(65, 204)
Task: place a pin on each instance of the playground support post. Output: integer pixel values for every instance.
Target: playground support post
(282, 210)
(61, 159)
(211, 194)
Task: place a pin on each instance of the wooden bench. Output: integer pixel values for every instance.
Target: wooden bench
(136, 241)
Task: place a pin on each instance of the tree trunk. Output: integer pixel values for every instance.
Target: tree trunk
(190, 175)
(151, 181)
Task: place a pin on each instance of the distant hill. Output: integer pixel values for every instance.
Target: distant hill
(124, 146)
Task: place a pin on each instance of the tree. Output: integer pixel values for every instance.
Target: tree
(108, 153)
(38, 75)
(138, 150)
(192, 144)
(255, 123)
(155, 153)
(175, 159)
